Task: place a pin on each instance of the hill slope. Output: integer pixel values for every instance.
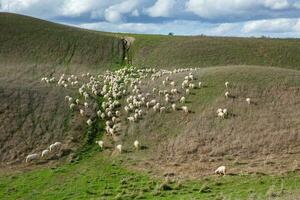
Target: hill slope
(179, 51)
(255, 139)
(29, 41)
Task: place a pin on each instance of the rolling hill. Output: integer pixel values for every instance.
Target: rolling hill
(259, 143)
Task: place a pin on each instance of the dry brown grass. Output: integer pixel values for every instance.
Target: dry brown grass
(261, 137)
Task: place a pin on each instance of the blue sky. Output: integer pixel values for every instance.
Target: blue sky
(274, 18)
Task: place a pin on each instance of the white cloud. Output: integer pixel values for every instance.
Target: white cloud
(77, 7)
(38, 8)
(114, 13)
(296, 5)
(271, 26)
(225, 28)
(243, 8)
(277, 4)
(135, 13)
(161, 8)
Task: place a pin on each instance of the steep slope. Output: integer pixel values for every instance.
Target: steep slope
(29, 41)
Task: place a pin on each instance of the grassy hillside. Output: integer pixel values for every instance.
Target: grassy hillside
(179, 51)
(259, 143)
(30, 41)
(99, 178)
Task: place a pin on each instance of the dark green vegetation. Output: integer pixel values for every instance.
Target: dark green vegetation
(261, 138)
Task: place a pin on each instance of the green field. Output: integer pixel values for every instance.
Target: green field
(97, 177)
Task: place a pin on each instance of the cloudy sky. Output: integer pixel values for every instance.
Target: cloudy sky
(274, 18)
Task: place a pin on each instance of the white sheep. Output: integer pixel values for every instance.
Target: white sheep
(100, 143)
(45, 153)
(119, 148)
(182, 100)
(221, 170)
(227, 94)
(187, 91)
(174, 106)
(55, 146)
(136, 144)
(32, 157)
(200, 84)
(248, 100)
(185, 109)
(131, 119)
(89, 122)
(221, 115)
(162, 109)
(72, 106)
(219, 110)
(226, 84)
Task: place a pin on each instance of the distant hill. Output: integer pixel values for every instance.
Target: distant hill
(197, 51)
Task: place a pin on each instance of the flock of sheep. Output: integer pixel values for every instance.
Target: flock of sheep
(118, 96)
(52, 148)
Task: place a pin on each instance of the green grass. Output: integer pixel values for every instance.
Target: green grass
(183, 51)
(97, 176)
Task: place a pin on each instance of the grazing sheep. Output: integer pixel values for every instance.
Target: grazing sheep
(86, 104)
(119, 148)
(248, 100)
(89, 122)
(226, 84)
(55, 146)
(81, 112)
(185, 109)
(187, 91)
(162, 109)
(200, 84)
(72, 106)
(227, 94)
(182, 100)
(219, 110)
(131, 119)
(221, 170)
(45, 153)
(225, 111)
(174, 106)
(32, 157)
(100, 143)
(136, 144)
(221, 115)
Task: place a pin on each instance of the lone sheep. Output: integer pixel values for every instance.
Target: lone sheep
(119, 148)
(100, 143)
(136, 144)
(221, 170)
(248, 100)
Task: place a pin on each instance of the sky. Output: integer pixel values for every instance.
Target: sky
(245, 18)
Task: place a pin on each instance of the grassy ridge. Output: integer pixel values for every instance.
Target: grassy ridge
(26, 40)
(180, 51)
